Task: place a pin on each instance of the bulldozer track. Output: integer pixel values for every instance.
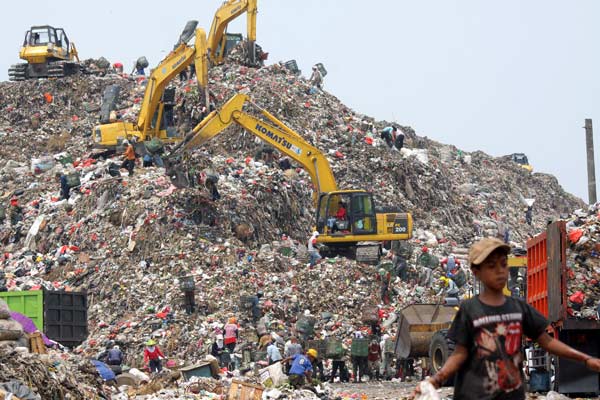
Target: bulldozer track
(17, 72)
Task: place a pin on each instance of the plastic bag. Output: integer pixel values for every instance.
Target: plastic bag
(272, 375)
(428, 392)
(10, 329)
(20, 390)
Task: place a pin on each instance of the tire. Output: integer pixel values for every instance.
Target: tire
(440, 350)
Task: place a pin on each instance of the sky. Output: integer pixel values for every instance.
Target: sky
(497, 76)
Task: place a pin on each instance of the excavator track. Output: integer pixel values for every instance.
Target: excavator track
(17, 72)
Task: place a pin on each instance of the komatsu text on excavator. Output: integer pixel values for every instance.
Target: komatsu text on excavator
(360, 229)
(151, 122)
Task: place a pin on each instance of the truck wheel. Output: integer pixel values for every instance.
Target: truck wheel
(440, 349)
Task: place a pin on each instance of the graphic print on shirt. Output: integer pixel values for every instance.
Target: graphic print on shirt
(498, 344)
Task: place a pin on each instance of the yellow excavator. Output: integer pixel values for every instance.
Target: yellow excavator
(150, 123)
(220, 42)
(364, 226)
(49, 54)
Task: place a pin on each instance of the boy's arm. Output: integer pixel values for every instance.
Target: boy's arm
(450, 366)
(560, 349)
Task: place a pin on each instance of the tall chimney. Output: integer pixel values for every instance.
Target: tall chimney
(591, 168)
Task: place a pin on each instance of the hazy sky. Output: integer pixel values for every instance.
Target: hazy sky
(498, 76)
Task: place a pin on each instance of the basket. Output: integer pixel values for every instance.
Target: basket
(286, 251)
(359, 347)
(460, 278)
(389, 346)
(154, 146)
(370, 314)
(246, 302)
(187, 283)
(305, 326)
(334, 348)
(319, 345)
(73, 180)
(292, 65)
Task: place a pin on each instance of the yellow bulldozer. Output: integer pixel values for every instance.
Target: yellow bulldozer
(48, 54)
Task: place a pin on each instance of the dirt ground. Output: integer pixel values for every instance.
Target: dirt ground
(398, 390)
(381, 390)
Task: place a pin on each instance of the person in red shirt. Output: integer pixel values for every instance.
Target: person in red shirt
(341, 216)
(153, 355)
(374, 357)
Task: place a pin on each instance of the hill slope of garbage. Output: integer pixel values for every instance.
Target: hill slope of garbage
(128, 241)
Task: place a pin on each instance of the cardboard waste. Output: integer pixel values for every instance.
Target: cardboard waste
(130, 241)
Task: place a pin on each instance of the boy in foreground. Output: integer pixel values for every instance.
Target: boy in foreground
(488, 329)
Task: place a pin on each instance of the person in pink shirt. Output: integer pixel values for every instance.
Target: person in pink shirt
(231, 334)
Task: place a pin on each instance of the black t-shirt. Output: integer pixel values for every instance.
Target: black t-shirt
(492, 336)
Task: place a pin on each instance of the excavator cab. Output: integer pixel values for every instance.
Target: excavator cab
(230, 40)
(359, 217)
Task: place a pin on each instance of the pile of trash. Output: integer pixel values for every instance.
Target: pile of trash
(48, 376)
(583, 263)
(130, 241)
(11, 332)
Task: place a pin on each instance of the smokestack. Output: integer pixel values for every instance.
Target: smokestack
(591, 168)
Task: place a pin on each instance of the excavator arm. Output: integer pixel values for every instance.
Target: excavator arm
(366, 227)
(178, 60)
(152, 109)
(230, 10)
(272, 131)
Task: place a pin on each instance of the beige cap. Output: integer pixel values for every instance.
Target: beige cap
(482, 249)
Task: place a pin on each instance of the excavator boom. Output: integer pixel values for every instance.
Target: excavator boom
(178, 60)
(363, 229)
(148, 124)
(274, 132)
(230, 10)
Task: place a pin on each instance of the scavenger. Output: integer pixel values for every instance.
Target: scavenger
(153, 356)
(488, 329)
(301, 367)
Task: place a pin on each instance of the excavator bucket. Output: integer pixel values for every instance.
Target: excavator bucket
(187, 33)
(178, 173)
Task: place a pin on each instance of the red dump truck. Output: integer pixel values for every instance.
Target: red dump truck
(547, 292)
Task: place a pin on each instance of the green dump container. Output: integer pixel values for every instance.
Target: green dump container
(360, 347)
(29, 303)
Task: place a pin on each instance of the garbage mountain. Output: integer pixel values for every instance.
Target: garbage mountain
(130, 241)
